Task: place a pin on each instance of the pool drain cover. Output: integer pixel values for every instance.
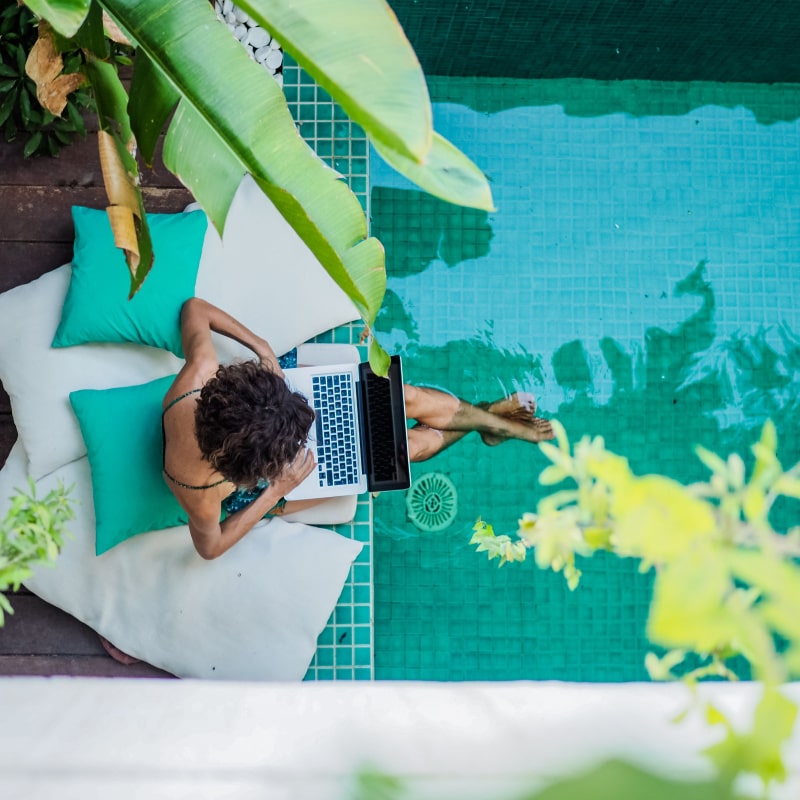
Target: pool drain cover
(431, 502)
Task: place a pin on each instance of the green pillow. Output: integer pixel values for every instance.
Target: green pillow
(97, 309)
(122, 431)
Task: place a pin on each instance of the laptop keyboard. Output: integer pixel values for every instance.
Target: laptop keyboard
(337, 443)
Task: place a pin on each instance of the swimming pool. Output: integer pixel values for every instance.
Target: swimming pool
(639, 277)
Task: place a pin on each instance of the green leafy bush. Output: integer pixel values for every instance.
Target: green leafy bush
(21, 115)
(726, 583)
(32, 534)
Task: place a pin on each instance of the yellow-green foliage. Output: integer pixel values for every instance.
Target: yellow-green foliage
(31, 534)
(726, 583)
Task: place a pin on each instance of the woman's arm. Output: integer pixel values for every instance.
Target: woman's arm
(212, 538)
(199, 318)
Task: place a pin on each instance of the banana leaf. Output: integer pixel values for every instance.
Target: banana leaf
(357, 51)
(66, 16)
(216, 135)
(117, 145)
(230, 117)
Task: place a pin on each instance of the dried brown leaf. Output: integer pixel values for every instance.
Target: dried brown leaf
(114, 32)
(45, 66)
(123, 213)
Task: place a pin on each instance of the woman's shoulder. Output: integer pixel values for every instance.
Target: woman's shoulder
(190, 379)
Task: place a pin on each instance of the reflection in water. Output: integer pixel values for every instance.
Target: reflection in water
(681, 386)
(445, 232)
(687, 388)
(684, 387)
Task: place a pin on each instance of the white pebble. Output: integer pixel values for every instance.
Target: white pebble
(230, 18)
(257, 37)
(240, 32)
(278, 78)
(274, 59)
(227, 6)
(241, 14)
(275, 44)
(262, 53)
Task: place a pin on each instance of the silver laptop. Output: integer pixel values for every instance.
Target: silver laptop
(359, 437)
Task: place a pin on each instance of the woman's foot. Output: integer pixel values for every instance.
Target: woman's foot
(117, 654)
(519, 407)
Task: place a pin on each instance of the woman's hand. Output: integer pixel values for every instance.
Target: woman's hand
(303, 465)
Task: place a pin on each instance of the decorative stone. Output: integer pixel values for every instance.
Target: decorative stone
(274, 59)
(257, 37)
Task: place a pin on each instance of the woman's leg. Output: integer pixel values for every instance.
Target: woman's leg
(425, 442)
(446, 413)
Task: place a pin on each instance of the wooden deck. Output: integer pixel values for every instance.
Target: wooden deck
(36, 235)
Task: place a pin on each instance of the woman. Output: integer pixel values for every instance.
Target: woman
(234, 436)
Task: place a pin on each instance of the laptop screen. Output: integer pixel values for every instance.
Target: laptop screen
(385, 435)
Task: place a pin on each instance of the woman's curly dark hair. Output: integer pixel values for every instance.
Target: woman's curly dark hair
(249, 424)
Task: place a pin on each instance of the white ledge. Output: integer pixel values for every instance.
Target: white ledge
(85, 738)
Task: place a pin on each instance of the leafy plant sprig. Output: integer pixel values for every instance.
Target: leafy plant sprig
(32, 534)
(726, 583)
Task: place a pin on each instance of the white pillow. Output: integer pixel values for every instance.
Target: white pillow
(264, 275)
(39, 378)
(253, 614)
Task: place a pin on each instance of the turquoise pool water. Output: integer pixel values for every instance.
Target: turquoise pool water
(639, 277)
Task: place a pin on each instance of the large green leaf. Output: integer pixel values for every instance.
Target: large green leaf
(445, 172)
(232, 118)
(66, 16)
(149, 107)
(357, 51)
(203, 161)
(90, 35)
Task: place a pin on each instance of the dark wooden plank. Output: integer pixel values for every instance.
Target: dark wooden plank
(76, 165)
(40, 639)
(23, 262)
(42, 213)
(8, 435)
(38, 628)
(76, 666)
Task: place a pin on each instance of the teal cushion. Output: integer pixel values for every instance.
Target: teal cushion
(122, 431)
(97, 309)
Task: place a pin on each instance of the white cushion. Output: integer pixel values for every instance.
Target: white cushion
(39, 378)
(264, 275)
(253, 614)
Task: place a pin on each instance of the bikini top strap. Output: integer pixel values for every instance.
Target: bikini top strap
(178, 399)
